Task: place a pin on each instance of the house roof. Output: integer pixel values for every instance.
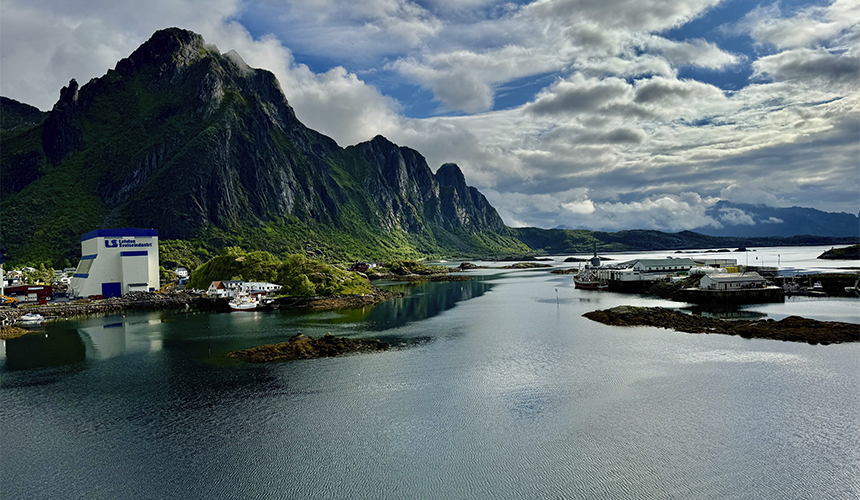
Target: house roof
(732, 277)
(664, 262)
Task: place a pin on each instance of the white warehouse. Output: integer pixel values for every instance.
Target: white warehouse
(115, 262)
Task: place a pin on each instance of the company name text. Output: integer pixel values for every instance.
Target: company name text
(125, 244)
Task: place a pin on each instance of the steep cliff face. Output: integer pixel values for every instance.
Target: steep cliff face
(191, 140)
(188, 140)
(464, 206)
(401, 183)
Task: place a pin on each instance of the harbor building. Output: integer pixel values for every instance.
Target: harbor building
(732, 281)
(718, 290)
(639, 274)
(115, 262)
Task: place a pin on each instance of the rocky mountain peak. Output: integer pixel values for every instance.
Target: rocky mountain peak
(62, 133)
(168, 47)
(450, 174)
(195, 142)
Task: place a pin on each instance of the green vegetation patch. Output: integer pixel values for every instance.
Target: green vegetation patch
(298, 275)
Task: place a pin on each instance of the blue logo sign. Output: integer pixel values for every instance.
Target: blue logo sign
(125, 243)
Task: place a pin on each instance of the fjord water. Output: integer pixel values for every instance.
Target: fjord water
(495, 388)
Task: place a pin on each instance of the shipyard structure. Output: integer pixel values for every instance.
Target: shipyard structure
(115, 262)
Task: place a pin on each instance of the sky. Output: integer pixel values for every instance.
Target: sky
(595, 114)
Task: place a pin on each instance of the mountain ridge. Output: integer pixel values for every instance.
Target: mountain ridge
(207, 150)
(180, 137)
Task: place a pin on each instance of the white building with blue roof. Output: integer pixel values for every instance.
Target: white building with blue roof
(115, 262)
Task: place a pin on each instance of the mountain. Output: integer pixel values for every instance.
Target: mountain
(562, 241)
(745, 220)
(16, 116)
(195, 143)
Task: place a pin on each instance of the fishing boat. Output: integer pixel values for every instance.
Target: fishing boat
(587, 280)
(243, 302)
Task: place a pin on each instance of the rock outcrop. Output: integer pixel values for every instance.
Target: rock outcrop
(791, 329)
(301, 346)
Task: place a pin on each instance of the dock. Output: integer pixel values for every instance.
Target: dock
(730, 297)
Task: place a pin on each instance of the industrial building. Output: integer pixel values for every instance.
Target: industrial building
(115, 262)
(732, 281)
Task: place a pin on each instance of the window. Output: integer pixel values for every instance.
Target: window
(84, 266)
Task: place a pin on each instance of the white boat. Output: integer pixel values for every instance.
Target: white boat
(243, 302)
(32, 318)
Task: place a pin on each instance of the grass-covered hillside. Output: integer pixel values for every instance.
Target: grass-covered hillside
(298, 275)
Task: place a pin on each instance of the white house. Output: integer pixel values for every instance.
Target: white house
(732, 281)
(181, 272)
(228, 288)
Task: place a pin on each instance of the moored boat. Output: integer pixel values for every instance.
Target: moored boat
(243, 302)
(32, 318)
(588, 281)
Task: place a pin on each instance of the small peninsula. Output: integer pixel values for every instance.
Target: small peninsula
(790, 329)
(844, 253)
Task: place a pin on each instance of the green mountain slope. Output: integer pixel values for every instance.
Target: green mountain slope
(207, 150)
(181, 138)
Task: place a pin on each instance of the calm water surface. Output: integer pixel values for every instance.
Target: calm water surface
(497, 388)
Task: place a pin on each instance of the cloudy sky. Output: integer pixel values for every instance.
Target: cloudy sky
(598, 114)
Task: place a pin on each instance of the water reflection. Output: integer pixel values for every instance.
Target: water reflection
(421, 301)
(107, 341)
(37, 350)
(192, 333)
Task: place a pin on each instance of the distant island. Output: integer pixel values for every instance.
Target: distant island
(846, 253)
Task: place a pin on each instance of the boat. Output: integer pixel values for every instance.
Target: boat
(817, 287)
(32, 318)
(588, 281)
(243, 302)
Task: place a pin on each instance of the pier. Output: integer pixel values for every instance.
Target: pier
(716, 298)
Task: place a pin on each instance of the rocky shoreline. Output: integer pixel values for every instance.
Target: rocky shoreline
(301, 346)
(11, 332)
(134, 301)
(790, 329)
(148, 301)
